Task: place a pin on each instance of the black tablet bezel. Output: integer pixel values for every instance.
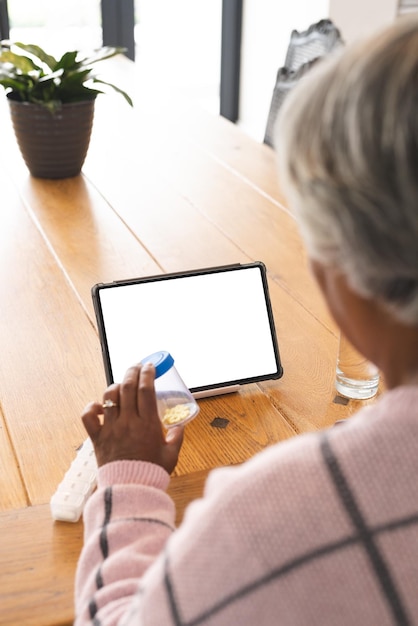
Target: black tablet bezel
(222, 386)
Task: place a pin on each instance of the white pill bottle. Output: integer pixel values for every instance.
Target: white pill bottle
(175, 403)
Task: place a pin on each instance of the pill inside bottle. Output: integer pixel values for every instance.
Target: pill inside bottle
(175, 403)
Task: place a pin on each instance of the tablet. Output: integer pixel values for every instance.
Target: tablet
(216, 322)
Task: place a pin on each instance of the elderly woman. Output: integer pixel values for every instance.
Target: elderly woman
(321, 529)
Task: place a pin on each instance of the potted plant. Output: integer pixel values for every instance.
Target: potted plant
(52, 104)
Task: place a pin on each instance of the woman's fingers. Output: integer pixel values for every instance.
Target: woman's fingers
(91, 420)
(170, 448)
(111, 401)
(174, 439)
(128, 393)
(146, 400)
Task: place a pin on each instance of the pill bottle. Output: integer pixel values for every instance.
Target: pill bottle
(175, 403)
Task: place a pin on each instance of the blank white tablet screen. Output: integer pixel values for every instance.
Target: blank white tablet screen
(215, 325)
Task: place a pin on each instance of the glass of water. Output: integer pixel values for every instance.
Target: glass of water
(356, 377)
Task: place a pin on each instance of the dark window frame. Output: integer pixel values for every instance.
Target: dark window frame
(231, 58)
(4, 20)
(118, 24)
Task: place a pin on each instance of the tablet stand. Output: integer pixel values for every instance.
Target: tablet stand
(218, 391)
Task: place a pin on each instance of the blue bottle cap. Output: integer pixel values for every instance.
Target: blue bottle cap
(162, 362)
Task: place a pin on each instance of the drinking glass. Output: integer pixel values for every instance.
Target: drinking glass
(356, 377)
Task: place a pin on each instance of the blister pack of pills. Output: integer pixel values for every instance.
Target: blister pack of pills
(79, 482)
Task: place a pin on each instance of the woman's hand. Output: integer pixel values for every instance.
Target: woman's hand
(131, 428)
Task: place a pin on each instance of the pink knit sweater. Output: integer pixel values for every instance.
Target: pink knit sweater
(318, 530)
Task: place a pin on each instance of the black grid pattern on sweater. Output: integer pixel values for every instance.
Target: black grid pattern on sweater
(363, 535)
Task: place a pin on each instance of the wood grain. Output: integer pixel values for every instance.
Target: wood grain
(51, 361)
(38, 562)
(163, 177)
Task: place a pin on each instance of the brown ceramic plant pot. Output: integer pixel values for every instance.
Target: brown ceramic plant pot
(53, 145)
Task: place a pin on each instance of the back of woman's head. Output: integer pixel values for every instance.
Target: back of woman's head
(347, 142)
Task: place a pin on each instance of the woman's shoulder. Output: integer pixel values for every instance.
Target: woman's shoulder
(369, 446)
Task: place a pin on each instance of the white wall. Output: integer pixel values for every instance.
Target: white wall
(267, 25)
(359, 18)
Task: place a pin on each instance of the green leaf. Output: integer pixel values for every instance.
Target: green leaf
(20, 62)
(123, 93)
(53, 76)
(39, 53)
(68, 61)
(6, 72)
(84, 93)
(18, 83)
(107, 52)
(73, 81)
(80, 76)
(10, 83)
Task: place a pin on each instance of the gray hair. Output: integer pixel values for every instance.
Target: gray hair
(347, 144)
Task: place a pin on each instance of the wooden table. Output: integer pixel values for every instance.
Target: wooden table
(165, 187)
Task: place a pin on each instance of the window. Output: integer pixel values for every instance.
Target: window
(177, 42)
(56, 26)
